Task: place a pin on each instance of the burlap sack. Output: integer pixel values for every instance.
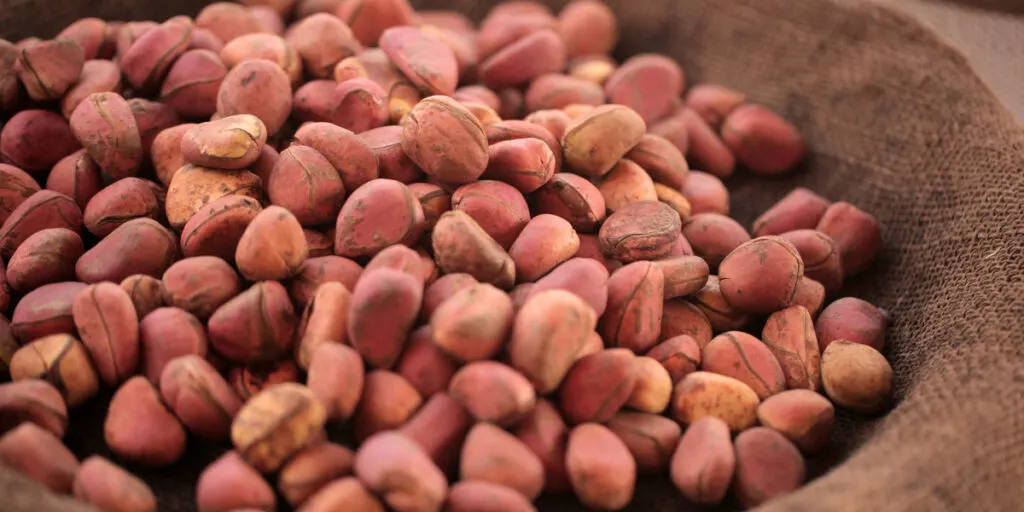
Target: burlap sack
(899, 125)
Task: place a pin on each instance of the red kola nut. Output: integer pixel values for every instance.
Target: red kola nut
(713, 103)
(474, 323)
(425, 60)
(761, 276)
(228, 20)
(680, 355)
(672, 129)
(152, 118)
(478, 496)
(439, 427)
(49, 68)
(805, 417)
(493, 392)
(109, 327)
(703, 464)
(799, 209)
(544, 243)
(358, 104)
(305, 182)
(588, 28)
(627, 183)
(821, 259)
(463, 46)
(257, 87)
(93, 35)
(129, 33)
(478, 93)
(555, 91)
(10, 85)
(597, 386)
(719, 313)
(706, 194)
(353, 156)
(44, 311)
(38, 455)
(714, 236)
(19, 185)
(256, 326)
(385, 143)
(650, 84)
(263, 46)
(745, 358)
(762, 141)
(322, 40)
(203, 39)
(493, 455)
(526, 164)
(147, 60)
(192, 84)
(140, 428)
(705, 149)
(166, 334)
(381, 213)
(572, 198)
(502, 28)
(642, 230)
(549, 332)
(498, 208)
(810, 294)
(45, 209)
(767, 466)
(856, 233)
(662, 161)
(76, 176)
(97, 76)
(445, 140)
(385, 306)
(544, 433)
(586, 278)
(48, 256)
(106, 127)
(461, 245)
(425, 365)
(790, 335)
(554, 121)
(107, 486)
(35, 140)
(532, 56)
(853, 320)
(513, 129)
(218, 226)
(601, 468)
(370, 18)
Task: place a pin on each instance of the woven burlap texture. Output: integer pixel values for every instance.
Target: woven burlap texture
(899, 125)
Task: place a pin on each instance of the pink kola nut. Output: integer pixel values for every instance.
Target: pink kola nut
(260, 88)
(516, 64)
(544, 243)
(799, 209)
(767, 466)
(499, 209)
(109, 327)
(305, 182)
(322, 40)
(315, 271)
(514, 129)
(713, 236)
(586, 278)
(256, 326)
(106, 127)
(199, 397)
(18, 186)
(97, 76)
(555, 91)
(384, 308)
(49, 68)
(44, 209)
(680, 355)
(856, 233)
(526, 164)
(673, 129)
(790, 335)
(854, 320)
(48, 256)
(746, 359)
(706, 194)
(439, 428)
(588, 28)
(76, 176)
(147, 60)
(44, 311)
(426, 61)
(427, 368)
(554, 121)
(705, 149)
(762, 141)
(370, 18)
(120, 202)
(217, 227)
(91, 35)
(704, 462)
(761, 276)
(350, 154)
(140, 428)
(378, 214)
(635, 305)
(713, 103)
(203, 39)
(152, 117)
(464, 49)
(445, 140)
(821, 259)
(649, 84)
(117, 256)
(501, 29)
(572, 198)
(228, 20)
(35, 140)
(478, 93)
(192, 83)
(166, 334)
(386, 144)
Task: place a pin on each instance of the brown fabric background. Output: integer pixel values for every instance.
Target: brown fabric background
(901, 126)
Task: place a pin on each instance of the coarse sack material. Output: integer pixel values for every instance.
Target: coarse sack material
(898, 124)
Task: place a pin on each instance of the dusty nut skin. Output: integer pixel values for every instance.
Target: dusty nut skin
(232, 142)
(856, 377)
(49, 68)
(445, 140)
(462, 246)
(702, 394)
(276, 424)
(596, 142)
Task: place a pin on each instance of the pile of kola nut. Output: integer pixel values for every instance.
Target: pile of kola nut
(480, 248)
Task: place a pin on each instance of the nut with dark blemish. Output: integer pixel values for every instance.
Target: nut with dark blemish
(48, 256)
(644, 230)
(247, 381)
(256, 326)
(109, 327)
(146, 293)
(199, 397)
(276, 424)
(61, 360)
(33, 401)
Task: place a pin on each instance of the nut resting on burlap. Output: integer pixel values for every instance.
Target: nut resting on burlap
(895, 122)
